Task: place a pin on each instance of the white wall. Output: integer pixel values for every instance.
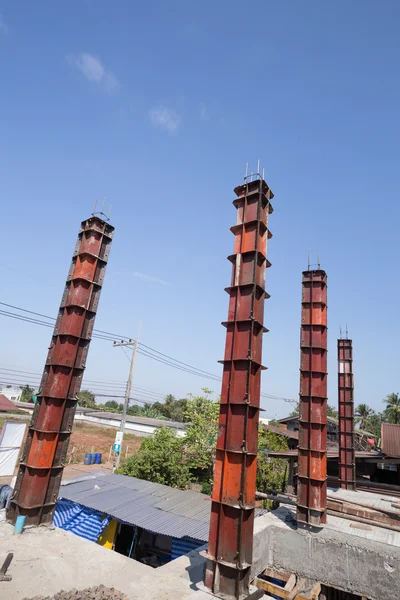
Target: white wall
(12, 394)
(140, 429)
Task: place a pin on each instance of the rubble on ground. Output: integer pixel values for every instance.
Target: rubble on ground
(98, 592)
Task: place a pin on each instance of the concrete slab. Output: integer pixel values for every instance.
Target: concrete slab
(363, 562)
(47, 560)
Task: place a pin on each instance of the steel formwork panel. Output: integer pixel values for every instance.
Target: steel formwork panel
(312, 467)
(45, 450)
(347, 462)
(230, 542)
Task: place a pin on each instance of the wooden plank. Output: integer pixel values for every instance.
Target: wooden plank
(299, 587)
(291, 582)
(277, 590)
(315, 592)
(283, 575)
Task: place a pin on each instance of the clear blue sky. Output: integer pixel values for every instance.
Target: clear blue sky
(157, 106)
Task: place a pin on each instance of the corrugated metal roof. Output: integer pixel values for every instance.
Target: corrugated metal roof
(390, 434)
(152, 506)
(281, 431)
(131, 419)
(155, 507)
(6, 404)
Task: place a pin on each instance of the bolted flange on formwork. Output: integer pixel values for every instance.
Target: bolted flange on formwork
(42, 463)
(230, 544)
(312, 465)
(347, 461)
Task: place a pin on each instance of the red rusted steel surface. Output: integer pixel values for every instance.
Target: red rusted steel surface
(230, 543)
(312, 474)
(390, 434)
(42, 462)
(347, 461)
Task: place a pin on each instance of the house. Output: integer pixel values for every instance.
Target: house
(364, 440)
(150, 522)
(13, 394)
(6, 405)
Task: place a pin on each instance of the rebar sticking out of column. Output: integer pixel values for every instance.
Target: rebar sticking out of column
(230, 543)
(347, 462)
(40, 471)
(312, 474)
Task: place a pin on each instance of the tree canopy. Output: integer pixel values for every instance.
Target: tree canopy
(26, 393)
(160, 459)
(392, 410)
(86, 399)
(362, 415)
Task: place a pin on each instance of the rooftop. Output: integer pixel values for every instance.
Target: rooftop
(155, 507)
(390, 434)
(132, 419)
(6, 404)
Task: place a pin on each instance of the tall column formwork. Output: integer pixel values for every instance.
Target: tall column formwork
(312, 466)
(42, 463)
(230, 544)
(347, 461)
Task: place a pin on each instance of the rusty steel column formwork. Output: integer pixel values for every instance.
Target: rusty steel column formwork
(43, 457)
(230, 544)
(347, 462)
(312, 474)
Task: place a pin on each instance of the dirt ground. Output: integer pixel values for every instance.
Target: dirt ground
(89, 438)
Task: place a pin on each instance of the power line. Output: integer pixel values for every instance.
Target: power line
(143, 348)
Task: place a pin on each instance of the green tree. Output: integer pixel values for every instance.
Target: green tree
(271, 472)
(112, 405)
(86, 399)
(374, 423)
(26, 393)
(160, 459)
(332, 412)
(392, 410)
(171, 408)
(201, 435)
(362, 414)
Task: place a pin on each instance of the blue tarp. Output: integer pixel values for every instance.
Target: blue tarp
(82, 521)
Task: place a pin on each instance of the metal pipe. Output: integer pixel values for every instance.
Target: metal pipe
(42, 463)
(230, 544)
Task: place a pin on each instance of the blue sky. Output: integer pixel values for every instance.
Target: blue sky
(157, 107)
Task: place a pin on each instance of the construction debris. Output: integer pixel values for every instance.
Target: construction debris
(99, 592)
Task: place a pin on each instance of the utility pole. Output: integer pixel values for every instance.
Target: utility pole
(120, 435)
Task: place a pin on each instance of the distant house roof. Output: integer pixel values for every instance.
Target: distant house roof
(281, 431)
(331, 420)
(390, 434)
(6, 404)
(131, 419)
(152, 506)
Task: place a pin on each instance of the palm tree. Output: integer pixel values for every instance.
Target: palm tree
(392, 411)
(363, 413)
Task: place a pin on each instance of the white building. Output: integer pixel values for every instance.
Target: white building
(13, 394)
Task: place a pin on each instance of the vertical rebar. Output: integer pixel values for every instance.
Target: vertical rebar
(42, 462)
(347, 462)
(230, 544)
(312, 474)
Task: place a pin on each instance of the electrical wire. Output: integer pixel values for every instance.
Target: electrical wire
(143, 349)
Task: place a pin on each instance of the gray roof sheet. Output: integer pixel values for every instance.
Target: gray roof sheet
(155, 507)
(131, 419)
(152, 506)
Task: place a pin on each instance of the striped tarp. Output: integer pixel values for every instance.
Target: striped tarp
(82, 521)
(184, 546)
